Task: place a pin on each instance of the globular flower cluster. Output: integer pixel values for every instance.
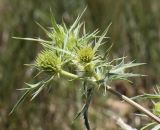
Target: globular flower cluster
(85, 55)
(48, 61)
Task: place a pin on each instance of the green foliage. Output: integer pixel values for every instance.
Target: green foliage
(68, 47)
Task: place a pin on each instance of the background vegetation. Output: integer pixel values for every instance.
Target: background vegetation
(135, 32)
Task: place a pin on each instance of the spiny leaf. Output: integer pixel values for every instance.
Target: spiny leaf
(84, 29)
(101, 38)
(77, 20)
(61, 50)
(64, 26)
(130, 75)
(84, 109)
(118, 59)
(22, 89)
(20, 100)
(35, 94)
(148, 125)
(131, 64)
(34, 85)
(28, 90)
(40, 72)
(147, 96)
(53, 21)
(88, 37)
(120, 68)
(32, 65)
(77, 29)
(85, 114)
(65, 42)
(45, 30)
(80, 112)
(33, 39)
(107, 52)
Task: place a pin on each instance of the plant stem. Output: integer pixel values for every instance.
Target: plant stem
(134, 104)
(121, 96)
(68, 74)
(74, 76)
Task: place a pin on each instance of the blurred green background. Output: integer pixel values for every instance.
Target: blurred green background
(135, 32)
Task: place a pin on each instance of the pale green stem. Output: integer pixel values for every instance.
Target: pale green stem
(68, 74)
(73, 76)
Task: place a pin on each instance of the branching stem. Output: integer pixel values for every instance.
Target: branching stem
(121, 96)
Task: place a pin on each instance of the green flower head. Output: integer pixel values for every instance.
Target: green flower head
(156, 109)
(48, 61)
(85, 55)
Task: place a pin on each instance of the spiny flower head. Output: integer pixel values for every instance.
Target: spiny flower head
(85, 55)
(48, 61)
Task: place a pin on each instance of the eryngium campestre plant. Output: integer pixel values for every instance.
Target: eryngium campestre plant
(68, 47)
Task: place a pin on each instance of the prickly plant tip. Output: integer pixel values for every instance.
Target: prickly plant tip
(48, 61)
